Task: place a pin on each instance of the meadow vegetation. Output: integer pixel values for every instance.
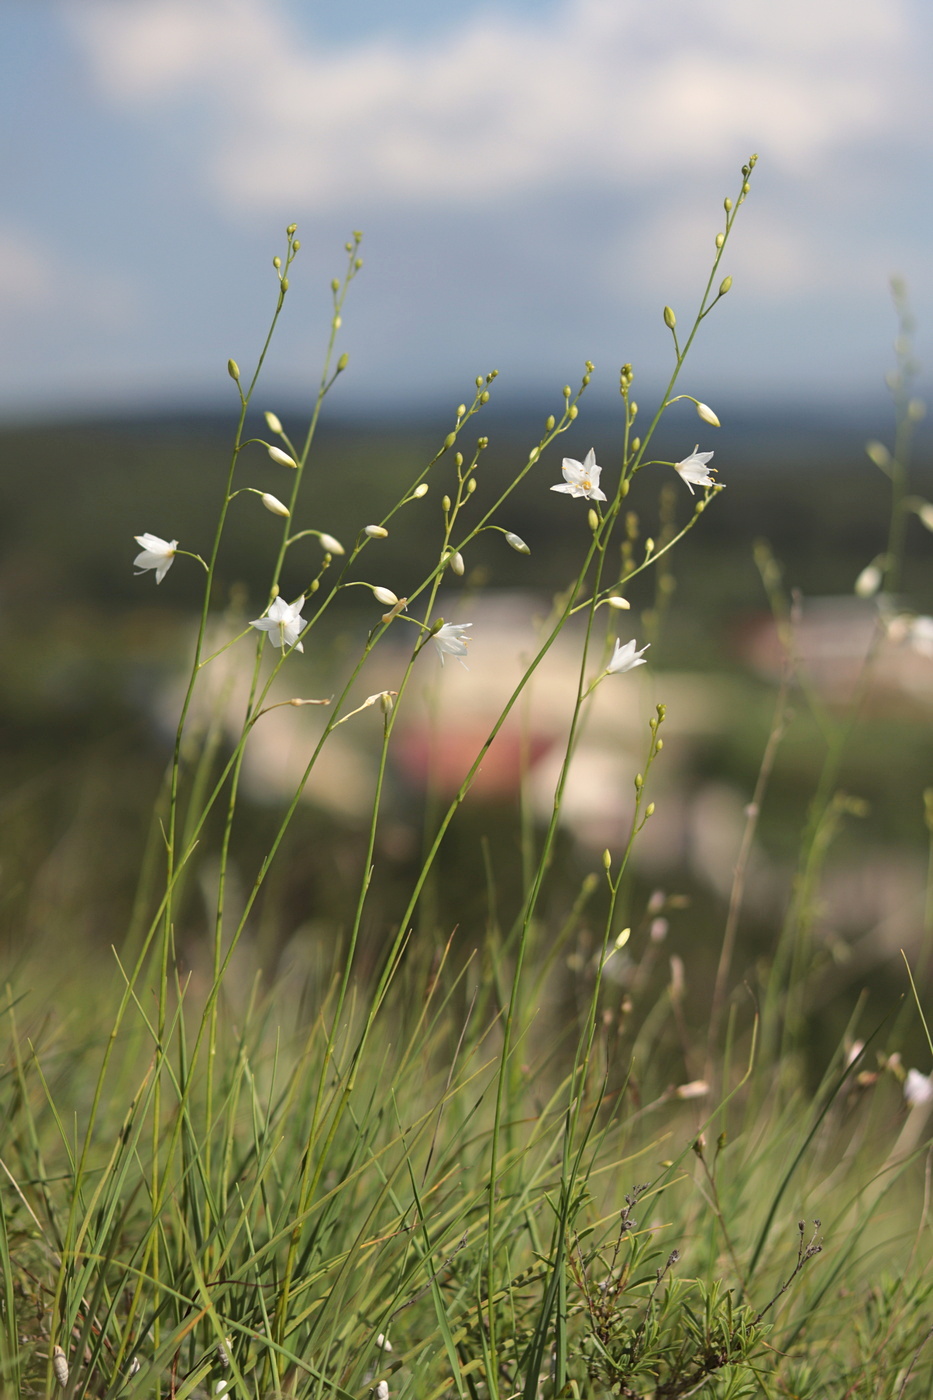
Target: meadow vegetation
(451, 1095)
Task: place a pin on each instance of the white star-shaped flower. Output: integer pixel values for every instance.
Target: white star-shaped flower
(451, 640)
(156, 554)
(581, 478)
(283, 622)
(693, 469)
(625, 657)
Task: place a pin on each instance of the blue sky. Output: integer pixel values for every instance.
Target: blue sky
(534, 182)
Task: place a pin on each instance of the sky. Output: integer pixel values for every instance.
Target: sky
(534, 182)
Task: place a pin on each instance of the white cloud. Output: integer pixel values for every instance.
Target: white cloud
(605, 91)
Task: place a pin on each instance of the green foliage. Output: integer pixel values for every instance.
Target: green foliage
(404, 1168)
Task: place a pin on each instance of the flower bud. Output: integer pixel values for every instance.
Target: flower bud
(484, 396)
(344, 358)
(387, 701)
(281, 457)
(868, 581)
(649, 810)
(593, 519)
(330, 544)
(297, 244)
(670, 320)
(385, 596)
(291, 229)
(461, 409)
(916, 410)
(567, 391)
(471, 485)
(925, 513)
(455, 563)
(275, 425)
(720, 239)
(706, 413)
(549, 423)
(520, 547)
(420, 491)
(338, 322)
(233, 369)
(273, 504)
(534, 454)
(727, 205)
(607, 859)
(879, 454)
(276, 262)
(572, 411)
(724, 286)
(450, 439)
(284, 284)
(335, 284)
(445, 504)
(376, 532)
(616, 601)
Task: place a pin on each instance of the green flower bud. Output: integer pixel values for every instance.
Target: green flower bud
(670, 320)
(724, 286)
(233, 369)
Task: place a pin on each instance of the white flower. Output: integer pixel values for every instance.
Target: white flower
(581, 478)
(382, 1390)
(624, 658)
(451, 640)
(917, 1088)
(693, 469)
(274, 504)
(156, 554)
(283, 622)
(383, 1342)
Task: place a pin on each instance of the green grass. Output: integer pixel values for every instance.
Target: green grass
(469, 1106)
